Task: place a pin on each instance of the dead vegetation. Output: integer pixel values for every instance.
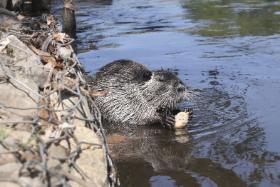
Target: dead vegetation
(50, 128)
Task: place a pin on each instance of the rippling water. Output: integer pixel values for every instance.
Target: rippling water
(228, 53)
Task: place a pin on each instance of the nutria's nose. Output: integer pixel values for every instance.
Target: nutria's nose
(181, 89)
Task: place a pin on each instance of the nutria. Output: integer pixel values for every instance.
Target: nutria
(135, 95)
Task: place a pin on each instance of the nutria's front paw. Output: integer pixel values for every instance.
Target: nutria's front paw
(169, 121)
(179, 120)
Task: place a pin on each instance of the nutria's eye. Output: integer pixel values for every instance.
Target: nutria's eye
(147, 76)
(181, 89)
(161, 79)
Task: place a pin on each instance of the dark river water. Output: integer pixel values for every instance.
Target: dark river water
(228, 53)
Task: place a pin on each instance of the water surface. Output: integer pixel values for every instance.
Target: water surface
(228, 53)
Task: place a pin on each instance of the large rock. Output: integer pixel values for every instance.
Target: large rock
(9, 20)
(92, 159)
(21, 74)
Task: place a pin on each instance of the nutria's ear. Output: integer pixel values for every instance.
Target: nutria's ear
(162, 76)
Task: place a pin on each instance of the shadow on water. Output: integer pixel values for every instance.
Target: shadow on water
(227, 51)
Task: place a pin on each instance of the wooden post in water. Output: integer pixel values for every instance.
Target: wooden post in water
(34, 7)
(13, 4)
(69, 18)
(3, 3)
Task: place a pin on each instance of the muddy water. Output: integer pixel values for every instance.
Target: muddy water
(228, 53)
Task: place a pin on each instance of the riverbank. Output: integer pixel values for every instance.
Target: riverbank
(50, 132)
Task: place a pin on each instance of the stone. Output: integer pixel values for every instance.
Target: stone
(55, 154)
(92, 159)
(9, 170)
(6, 157)
(9, 184)
(8, 19)
(26, 74)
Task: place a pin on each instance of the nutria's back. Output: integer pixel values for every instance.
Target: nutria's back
(135, 95)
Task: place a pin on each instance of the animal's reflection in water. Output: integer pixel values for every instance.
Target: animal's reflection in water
(147, 155)
(220, 145)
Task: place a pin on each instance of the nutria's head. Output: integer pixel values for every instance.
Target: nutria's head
(164, 90)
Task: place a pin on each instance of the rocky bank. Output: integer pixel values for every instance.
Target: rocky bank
(50, 129)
